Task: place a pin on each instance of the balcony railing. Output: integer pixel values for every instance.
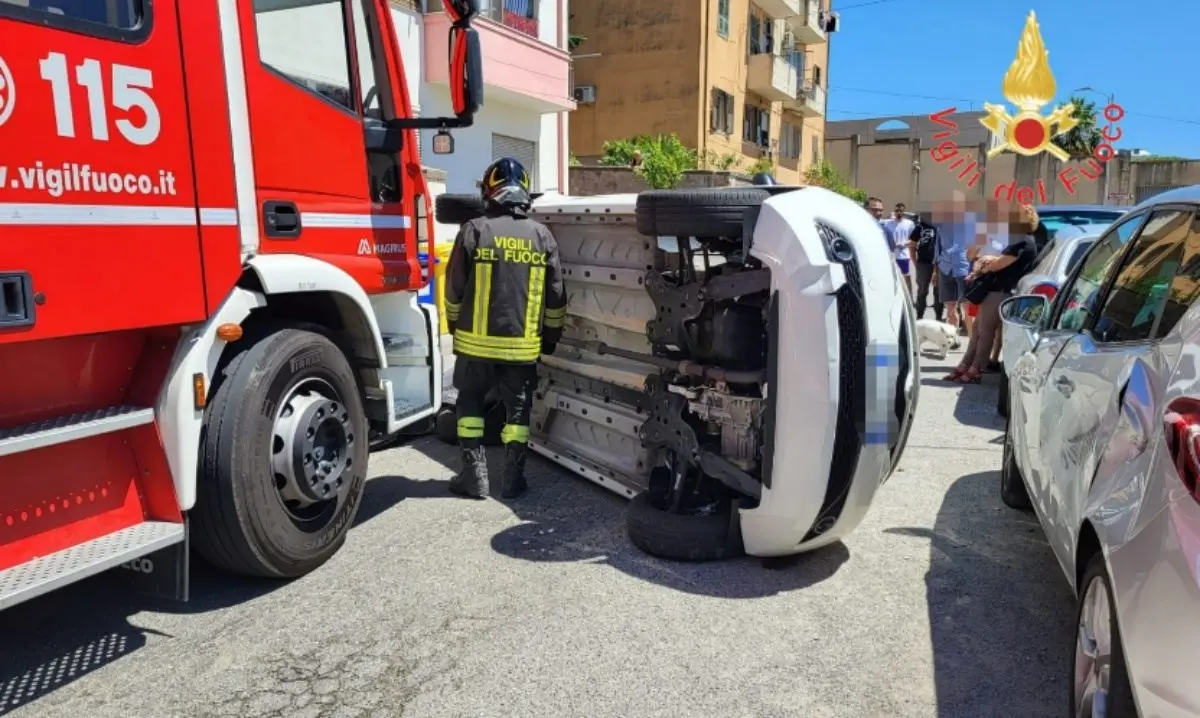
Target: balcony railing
(520, 15)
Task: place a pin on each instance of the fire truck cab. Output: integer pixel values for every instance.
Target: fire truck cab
(210, 219)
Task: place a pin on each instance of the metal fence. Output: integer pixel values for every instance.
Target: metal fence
(1148, 191)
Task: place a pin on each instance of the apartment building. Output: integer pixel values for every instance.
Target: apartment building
(526, 95)
(739, 80)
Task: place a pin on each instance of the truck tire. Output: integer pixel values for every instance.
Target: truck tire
(696, 212)
(283, 457)
(681, 537)
(1012, 487)
(457, 208)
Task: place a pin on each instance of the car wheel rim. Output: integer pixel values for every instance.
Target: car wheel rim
(1093, 652)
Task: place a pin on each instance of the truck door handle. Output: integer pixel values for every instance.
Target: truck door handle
(16, 300)
(1064, 385)
(281, 219)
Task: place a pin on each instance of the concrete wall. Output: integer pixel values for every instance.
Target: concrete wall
(647, 75)
(589, 181)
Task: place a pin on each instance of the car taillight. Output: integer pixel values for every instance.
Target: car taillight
(1181, 429)
(1046, 290)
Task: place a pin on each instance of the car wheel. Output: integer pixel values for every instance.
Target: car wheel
(1002, 399)
(283, 459)
(1100, 679)
(457, 208)
(696, 213)
(1012, 487)
(682, 536)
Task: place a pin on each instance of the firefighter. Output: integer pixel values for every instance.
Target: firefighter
(505, 305)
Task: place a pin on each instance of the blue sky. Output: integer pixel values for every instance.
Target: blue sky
(932, 54)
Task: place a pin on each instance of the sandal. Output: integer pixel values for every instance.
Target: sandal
(970, 376)
(957, 374)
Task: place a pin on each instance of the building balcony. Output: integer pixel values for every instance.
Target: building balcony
(771, 77)
(781, 9)
(807, 25)
(518, 68)
(809, 100)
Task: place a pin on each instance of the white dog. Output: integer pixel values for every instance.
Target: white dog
(940, 334)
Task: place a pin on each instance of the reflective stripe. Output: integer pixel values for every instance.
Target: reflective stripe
(483, 291)
(452, 311)
(514, 432)
(554, 317)
(470, 427)
(533, 301)
(514, 349)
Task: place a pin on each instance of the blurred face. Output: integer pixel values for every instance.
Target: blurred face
(898, 212)
(875, 207)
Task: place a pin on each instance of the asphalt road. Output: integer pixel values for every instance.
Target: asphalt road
(943, 603)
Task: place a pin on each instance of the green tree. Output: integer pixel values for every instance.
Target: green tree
(574, 41)
(664, 158)
(824, 174)
(762, 164)
(1082, 139)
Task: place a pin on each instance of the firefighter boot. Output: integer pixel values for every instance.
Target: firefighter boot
(513, 480)
(472, 480)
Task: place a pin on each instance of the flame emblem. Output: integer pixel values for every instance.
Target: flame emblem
(1029, 85)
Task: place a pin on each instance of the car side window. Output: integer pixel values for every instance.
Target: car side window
(1185, 287)
(1079, 300)
(1135, 301)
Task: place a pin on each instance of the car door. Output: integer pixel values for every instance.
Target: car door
(1082, 401)
(1069, 313)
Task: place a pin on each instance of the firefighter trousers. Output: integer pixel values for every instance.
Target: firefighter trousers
(514, 383)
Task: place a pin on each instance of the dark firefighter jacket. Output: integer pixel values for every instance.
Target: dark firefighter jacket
(504, 289)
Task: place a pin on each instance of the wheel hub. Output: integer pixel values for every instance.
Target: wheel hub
(1093, 652)
(312, 440)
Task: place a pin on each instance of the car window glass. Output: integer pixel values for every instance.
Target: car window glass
(1077, 253)
(1185, 287)
(120, 14)
(1079, 301)
(1140, 289)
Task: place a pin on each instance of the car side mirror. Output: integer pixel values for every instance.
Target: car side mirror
(1025, 310)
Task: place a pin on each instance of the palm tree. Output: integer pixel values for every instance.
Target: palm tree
(1082, 139)
(574, 41)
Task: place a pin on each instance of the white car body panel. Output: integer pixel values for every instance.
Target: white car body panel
(603, 259)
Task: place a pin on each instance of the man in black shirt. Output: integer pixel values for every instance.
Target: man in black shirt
(926, 237)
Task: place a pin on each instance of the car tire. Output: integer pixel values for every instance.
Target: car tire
(682, 537)
(241, 522)
(493, 423)
(1002, 399)
(1119, 701)
(696, 213)
(457, 208)
(1012, 487)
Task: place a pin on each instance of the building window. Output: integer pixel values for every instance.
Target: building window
(760, 33)
(817, 75)
(520, 15)
(721, 119)
(756, 126)
(816, 150)
(792, 52)
(723, 18)
(789, 141)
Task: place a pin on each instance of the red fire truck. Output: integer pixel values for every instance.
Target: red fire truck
(210, 218)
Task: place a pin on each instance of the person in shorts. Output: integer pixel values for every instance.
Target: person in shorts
(956, 233)
(899, 229)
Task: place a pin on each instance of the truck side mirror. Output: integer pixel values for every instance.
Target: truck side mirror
(466, 60)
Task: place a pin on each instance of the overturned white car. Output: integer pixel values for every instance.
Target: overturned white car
(739, 362)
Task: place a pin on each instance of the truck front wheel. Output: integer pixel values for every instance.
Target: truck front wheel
(283, 459)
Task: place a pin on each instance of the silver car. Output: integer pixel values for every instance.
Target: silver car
(1103, 444)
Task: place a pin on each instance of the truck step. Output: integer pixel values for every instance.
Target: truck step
(60, 430)
(42, 575)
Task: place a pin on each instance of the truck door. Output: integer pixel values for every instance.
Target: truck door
(316, 86)
(324, 78)
(98, 218)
